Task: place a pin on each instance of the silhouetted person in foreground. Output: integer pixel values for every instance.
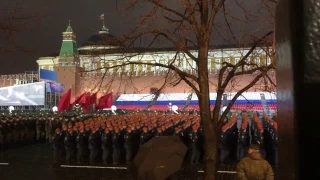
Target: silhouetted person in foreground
(254, 167)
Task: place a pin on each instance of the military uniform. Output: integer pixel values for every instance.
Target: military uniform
(70, 146)
(82, 145)
(116, 147)
(144, 137)
(31, 126)
(254, 167)
(106, 146)
(57, 140)
(94, 145)
(194, 147)
(10, 134)
(40, 124)
(223, 146)
(128, 144)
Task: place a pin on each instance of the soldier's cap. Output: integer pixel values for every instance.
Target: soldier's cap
(254, 146)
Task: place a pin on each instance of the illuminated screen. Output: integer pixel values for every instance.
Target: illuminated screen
(32, 94)
(54, 87)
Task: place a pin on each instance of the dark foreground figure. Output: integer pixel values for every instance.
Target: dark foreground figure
(254, 166)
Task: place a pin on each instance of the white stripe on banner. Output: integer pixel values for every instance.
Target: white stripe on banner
(92, 167)
(227, 172)
(4, 164)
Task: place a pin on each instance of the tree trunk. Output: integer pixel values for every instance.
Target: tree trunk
(209, 126)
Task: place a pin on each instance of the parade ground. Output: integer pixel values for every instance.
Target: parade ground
(34, 162)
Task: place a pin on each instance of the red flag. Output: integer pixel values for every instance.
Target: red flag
(93, 99)
(85, 101)
(85, 98)
(105, 101)
(102, 17)
(78, 99)
(64, 102)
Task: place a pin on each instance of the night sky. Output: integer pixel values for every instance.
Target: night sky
(46, 35)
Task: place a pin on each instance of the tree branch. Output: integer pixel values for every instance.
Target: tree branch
(242, 61)
(252, 83)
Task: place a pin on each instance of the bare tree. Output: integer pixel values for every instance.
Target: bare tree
(191, 26)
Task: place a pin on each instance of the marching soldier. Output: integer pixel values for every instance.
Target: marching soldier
(106, 145)
(1, 135)
(57, 140)
(116, 146)
(31, 126)
(224, 150)
(47, 128)
(94, 144)
(194, 146)
(70, 146)
(82, 145)
(159, 132)
(274, 137)
(10, 133)
(128, 144)
(144, 137)
(15, 132)
(23, 131)
(40, 124)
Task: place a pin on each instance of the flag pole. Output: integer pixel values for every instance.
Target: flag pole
(103, 20)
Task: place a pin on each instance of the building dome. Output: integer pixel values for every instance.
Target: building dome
(101, 41)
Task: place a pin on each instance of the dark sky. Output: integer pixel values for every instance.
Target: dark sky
(46, 36)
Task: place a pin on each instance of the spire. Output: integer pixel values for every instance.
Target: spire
(69, 48)
(104, 30)
(69, 28)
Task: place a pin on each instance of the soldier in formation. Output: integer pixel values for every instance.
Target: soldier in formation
(113, 139)
(105, 138)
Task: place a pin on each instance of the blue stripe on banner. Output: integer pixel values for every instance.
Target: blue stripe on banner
(131, 103)
(271, 101)
(194, 102)
(140, 103)
(173, 102)
(212, 102)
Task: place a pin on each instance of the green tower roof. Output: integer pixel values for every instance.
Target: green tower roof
(69, 46)
(69, 28)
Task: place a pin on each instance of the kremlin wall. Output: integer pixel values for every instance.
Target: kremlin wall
(87, 68)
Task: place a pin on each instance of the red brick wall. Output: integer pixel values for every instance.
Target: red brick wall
(142, 84)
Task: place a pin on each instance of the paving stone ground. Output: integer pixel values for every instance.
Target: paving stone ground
(35, 163)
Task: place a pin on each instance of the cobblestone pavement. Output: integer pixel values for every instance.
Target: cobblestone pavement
(35, 163)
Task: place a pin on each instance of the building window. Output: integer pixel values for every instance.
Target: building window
(102, 67)
(86, 66)
(257, 61)
(194, 65)
(227, 60)
(51, 68)
(268, 61)
(162, 62)
(127, 68)
(218, 63)
(110, 69)
(236, 60)
(247, 64)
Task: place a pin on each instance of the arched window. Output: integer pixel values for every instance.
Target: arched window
(257, 61)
